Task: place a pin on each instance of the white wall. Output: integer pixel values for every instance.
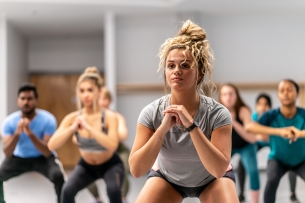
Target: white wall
(258, 48)
(17, 72)
(65, 54)
(3, 65)
(138, 41)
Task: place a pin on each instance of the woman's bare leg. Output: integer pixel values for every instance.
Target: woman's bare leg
(157, 190)
(220, 190)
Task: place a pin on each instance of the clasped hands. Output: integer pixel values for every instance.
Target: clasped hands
(23, 126)
(291, 132)
(177, 114)
(80, 123)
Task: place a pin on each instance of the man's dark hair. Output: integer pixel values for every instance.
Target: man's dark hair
(28, 87)
(297, 88)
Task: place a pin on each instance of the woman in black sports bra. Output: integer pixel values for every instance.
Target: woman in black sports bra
(96, 132)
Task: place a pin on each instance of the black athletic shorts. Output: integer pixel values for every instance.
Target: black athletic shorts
(189, 191)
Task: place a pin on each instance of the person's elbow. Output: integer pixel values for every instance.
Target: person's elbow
(7, 154)
(51, 145)
(134, 170)
(249, 127)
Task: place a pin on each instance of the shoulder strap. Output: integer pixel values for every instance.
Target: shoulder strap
(103, 121)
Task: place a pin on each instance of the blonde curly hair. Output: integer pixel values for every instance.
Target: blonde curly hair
(92, 74)
(192, 38)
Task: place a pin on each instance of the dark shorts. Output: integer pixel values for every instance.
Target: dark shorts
(189, 191)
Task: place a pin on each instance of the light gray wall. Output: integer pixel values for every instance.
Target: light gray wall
(65, 54)
(258, 48)
(3, 68)
(17, 72)
(139, 38)
(138, 41)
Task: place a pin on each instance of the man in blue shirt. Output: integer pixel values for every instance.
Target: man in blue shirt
(25, 136)
(283, 125)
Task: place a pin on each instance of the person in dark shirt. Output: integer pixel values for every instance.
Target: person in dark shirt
(242, 142)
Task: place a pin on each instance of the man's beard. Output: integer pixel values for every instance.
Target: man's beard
(29, 112)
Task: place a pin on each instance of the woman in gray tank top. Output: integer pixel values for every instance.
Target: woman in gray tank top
(95, 129)
(184, 138)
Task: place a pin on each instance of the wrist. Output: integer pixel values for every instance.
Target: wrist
(31, 135)
(161, 131)
(190, 123)
(16, 134)
(191, 127)
(279, 131)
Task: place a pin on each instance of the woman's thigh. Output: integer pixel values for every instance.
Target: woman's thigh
(158, 190)
(220, 190)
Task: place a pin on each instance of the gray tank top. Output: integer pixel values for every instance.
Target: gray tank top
(90, 144)
(178, 159)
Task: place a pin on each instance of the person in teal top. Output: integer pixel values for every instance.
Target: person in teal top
(283, 126)
(263, 104)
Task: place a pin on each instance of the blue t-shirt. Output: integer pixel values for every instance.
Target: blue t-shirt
(290, 154)
(44, 123)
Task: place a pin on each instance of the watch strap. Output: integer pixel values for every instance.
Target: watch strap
(194, 125)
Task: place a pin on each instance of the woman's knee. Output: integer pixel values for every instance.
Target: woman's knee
(57, 176)
(68, 190)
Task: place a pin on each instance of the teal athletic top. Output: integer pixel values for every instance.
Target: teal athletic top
(255, 116)
(290, 154)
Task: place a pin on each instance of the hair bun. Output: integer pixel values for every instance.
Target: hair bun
(91, 69)
(192, 30)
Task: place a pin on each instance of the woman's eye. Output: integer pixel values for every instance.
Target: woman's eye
(171, 66)
(185, 65)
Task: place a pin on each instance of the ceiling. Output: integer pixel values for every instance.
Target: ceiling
(35, 18)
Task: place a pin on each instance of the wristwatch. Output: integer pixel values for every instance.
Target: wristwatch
(194, 125)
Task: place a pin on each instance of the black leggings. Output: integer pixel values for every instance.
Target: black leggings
(275, 171)
(84, 174)
(50, 167)
(241, 176)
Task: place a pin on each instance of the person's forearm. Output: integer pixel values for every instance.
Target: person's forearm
(60, 138)
(105, 140)
(260, 129)
(144, 158)
(40, 145)
(123, 132)
(248, 136)
(213, 160)
(302, 133)
(9, 145)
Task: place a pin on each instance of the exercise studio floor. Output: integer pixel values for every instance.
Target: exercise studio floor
(34, 188)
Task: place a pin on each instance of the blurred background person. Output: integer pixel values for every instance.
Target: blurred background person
(96, 130)
(263, 104)
(281, 123)
(26, 134)
(242, 141)
(123, 151)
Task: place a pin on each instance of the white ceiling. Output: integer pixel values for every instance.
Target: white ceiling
(85, 17)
